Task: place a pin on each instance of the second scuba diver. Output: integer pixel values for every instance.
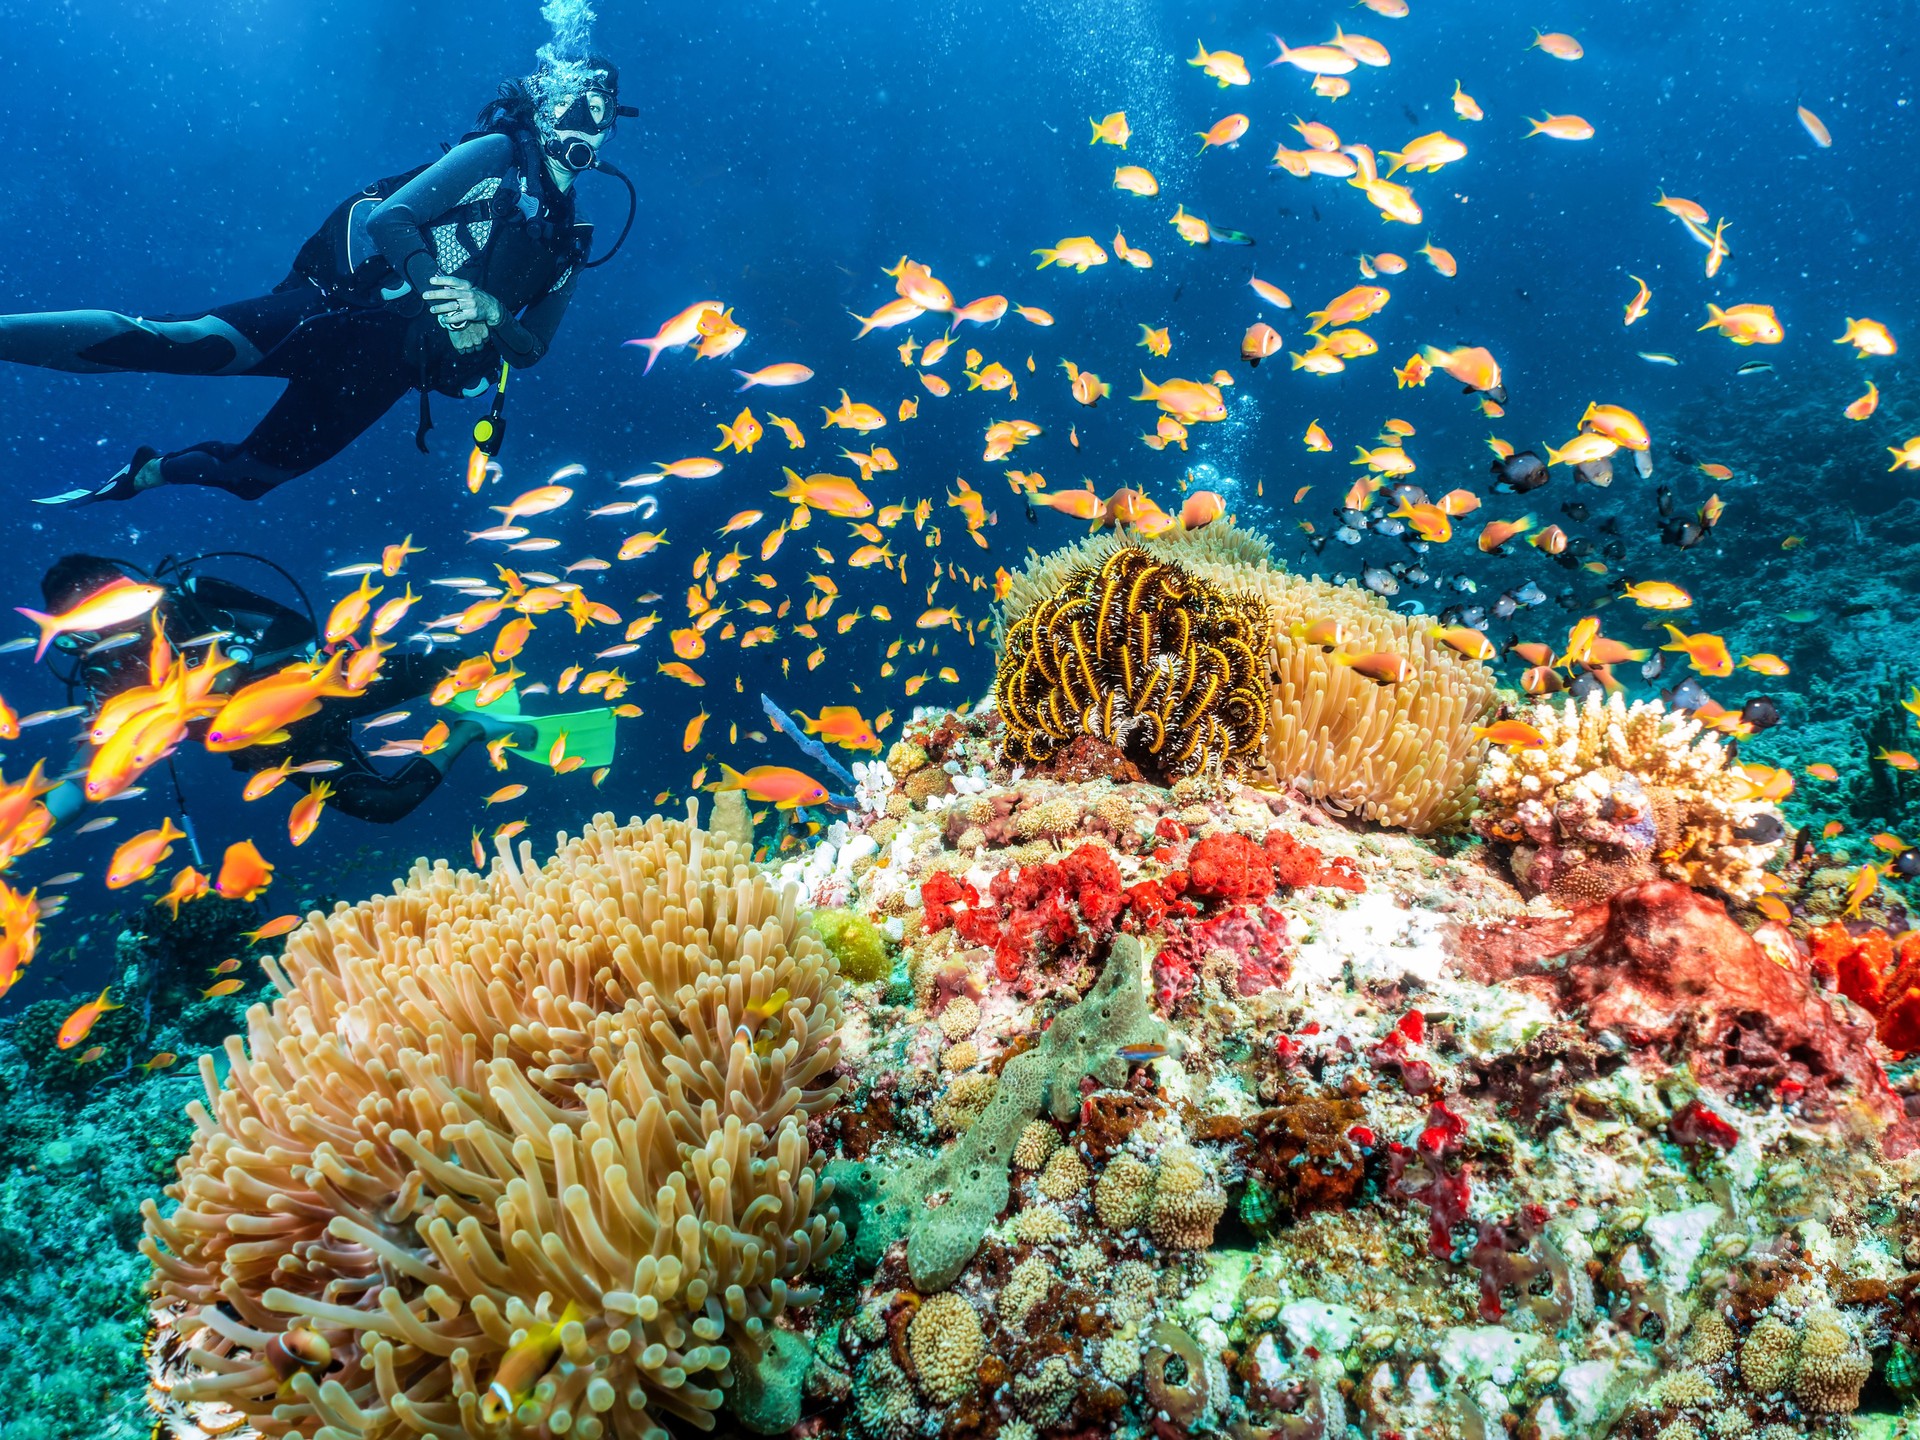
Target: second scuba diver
(263, 635)
(430, 280)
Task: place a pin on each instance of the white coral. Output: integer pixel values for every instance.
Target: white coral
(1569, 789)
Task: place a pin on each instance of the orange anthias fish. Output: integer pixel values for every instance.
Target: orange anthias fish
(273, 929)
(1188, 401)
(853, 415)
(1746, 324)
(189, 884)
(244, 872)
(1513, 734)
(1113, 130)
(1227, 130)
(1224, 66)
(1637, 306)
(75, 1027)
(1868, 337)
(1708, 653)
(260, 712)
(778, 785)
(837, 495)
(1472, 365)
(1561, 127)
(1349, 307)
(350, 610)
(138, 857)
(786, 373)
(107, 608)
(1498, 532)
(306, 813)
(682, 330)
(1078, 251)
(841, 725)
(742, 435)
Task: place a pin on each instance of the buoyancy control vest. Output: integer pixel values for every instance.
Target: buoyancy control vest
(514, 237)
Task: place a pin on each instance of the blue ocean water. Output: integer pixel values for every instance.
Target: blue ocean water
(166, 156)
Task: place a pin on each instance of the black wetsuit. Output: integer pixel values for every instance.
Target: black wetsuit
(348, 345)
(267, 635)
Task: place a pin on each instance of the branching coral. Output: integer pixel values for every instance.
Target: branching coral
(1401, 754)
(515, 1155)
(1622, 794)
(1146, 656)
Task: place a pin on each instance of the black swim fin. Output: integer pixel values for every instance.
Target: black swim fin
(125, 483)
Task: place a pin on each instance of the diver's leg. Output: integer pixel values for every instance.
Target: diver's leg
(226, 340)
(316, 418)
(365, 794)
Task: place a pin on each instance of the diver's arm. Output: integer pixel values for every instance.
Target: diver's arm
(525, 338)
(399, 225)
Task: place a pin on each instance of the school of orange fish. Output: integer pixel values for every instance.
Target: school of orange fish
(739, 600)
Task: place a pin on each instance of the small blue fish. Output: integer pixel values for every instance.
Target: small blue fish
(1141, 1054)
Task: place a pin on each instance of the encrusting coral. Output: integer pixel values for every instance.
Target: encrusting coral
(1144, 655)
(1617, 795)
(517, 1154)
(1400, 753)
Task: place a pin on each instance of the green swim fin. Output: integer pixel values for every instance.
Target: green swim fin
(590, 733)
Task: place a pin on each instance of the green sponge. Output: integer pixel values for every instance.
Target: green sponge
(856, 942)
(1084, 1040)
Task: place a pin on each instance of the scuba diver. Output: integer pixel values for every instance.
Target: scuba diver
(262, 635)
(437, 279)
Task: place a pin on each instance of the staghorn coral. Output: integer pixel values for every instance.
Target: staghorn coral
(1622, 794)
(1146, 656)
(1401, 754)
(505, 1126)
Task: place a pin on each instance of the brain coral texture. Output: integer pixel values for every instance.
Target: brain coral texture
(1401, 754)
(513, 1155)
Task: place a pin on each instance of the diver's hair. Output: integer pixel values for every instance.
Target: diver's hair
(512, 106)
(73, 577)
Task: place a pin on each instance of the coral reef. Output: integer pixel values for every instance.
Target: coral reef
(1160, 1110)
(1402, 754)
(971, 1179)
(1143, 655)
(515, 1152)
(1667, 971)
(1620, 794)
